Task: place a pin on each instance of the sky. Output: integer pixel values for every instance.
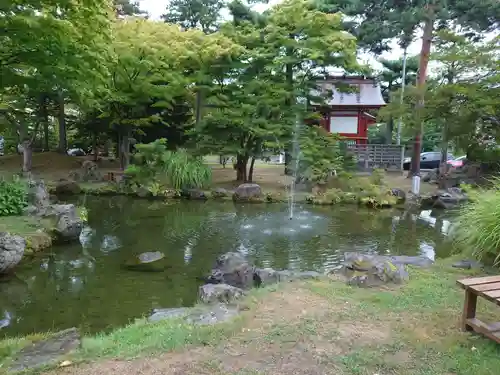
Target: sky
(156, 8)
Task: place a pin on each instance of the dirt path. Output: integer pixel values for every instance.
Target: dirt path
(291, 331)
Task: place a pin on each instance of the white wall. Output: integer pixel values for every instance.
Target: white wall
(343, 124)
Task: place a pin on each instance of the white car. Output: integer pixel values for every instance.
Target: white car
(76, 152)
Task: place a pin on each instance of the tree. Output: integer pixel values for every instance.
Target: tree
(48, 47)
(253, 98)
(391, 80)
(153, 66)
(128, 8)
(194, 14)
(382, 21)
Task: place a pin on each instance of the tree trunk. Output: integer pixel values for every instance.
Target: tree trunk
(388, 131)
(94, 147)
(241, 168)
(27, 156)
(44, 119)
(125, 149)
(421, 78)
(250, 171)
(63, 142)
(444, 157)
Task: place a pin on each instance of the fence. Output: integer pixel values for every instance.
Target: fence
(372, 156)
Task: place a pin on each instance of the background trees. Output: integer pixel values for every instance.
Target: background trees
(100, 73)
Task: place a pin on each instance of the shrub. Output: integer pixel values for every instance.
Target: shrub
(153, 165)
(478, 225)
(13, 197)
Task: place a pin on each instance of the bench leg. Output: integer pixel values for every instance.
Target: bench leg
(469, 309)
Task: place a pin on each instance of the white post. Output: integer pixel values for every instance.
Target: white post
(415, 185)
(403, 82)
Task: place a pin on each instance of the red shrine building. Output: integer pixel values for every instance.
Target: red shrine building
(347, 113)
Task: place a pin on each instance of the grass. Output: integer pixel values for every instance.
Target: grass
(315, 327)
(22, 225)
(479, 223)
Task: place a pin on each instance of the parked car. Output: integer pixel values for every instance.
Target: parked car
(428, 160)
(76, 152)
(458, 162)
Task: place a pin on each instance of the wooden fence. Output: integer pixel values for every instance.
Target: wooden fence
(372, 156)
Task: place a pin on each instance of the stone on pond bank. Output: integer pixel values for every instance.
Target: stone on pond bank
(202, 315)
(368, 270)
(247, 193)
(67, 187)
(48, 351)
(215, 293)
(11, 251)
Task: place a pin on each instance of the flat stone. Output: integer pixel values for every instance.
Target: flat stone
(215, 293)
(200, 315)
(213, 314)
(48, 351)
(169, 313)
(417, 261)
(467, 264)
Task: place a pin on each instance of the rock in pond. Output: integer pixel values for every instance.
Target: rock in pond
(48, 351)
(247, 193)
(193, 194)
(11, 251)
(215, 293)
(232, 269)
(68, 224)
(153, 261)
(445, 199)
(268, 276)
(219, 193)
(202, 315)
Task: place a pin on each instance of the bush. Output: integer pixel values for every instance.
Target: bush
(154, 165)
(13, 197)
(478, 225)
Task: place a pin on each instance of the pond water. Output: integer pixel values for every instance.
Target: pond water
(86, 286)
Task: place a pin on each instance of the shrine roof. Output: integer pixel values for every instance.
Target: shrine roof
(367, 91)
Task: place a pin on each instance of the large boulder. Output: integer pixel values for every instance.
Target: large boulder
(232, 269)
(68, 225)
(372, 270)
(247, 193)
(38, 198)
(152, 261)
(219, 293)
(444, 199)
(11, 251)
(67, 187)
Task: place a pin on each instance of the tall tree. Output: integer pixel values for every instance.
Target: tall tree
(46, 46)
(391, 80)
(195, 14)
(383, 21)
(254, 98)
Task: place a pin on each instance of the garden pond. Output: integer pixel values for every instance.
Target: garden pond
(87, 286)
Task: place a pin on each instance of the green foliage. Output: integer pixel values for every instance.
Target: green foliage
(194, 14)
(478, 225)
(153, 165)
(320, 155)
(377, 177)
(13, 197)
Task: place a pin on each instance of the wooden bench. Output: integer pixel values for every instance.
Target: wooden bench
(489, 288)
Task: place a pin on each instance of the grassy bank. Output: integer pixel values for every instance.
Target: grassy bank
(317, 327)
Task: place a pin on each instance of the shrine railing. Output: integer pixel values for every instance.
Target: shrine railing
(373, 156)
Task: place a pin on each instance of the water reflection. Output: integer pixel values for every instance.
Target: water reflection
(85, 285)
